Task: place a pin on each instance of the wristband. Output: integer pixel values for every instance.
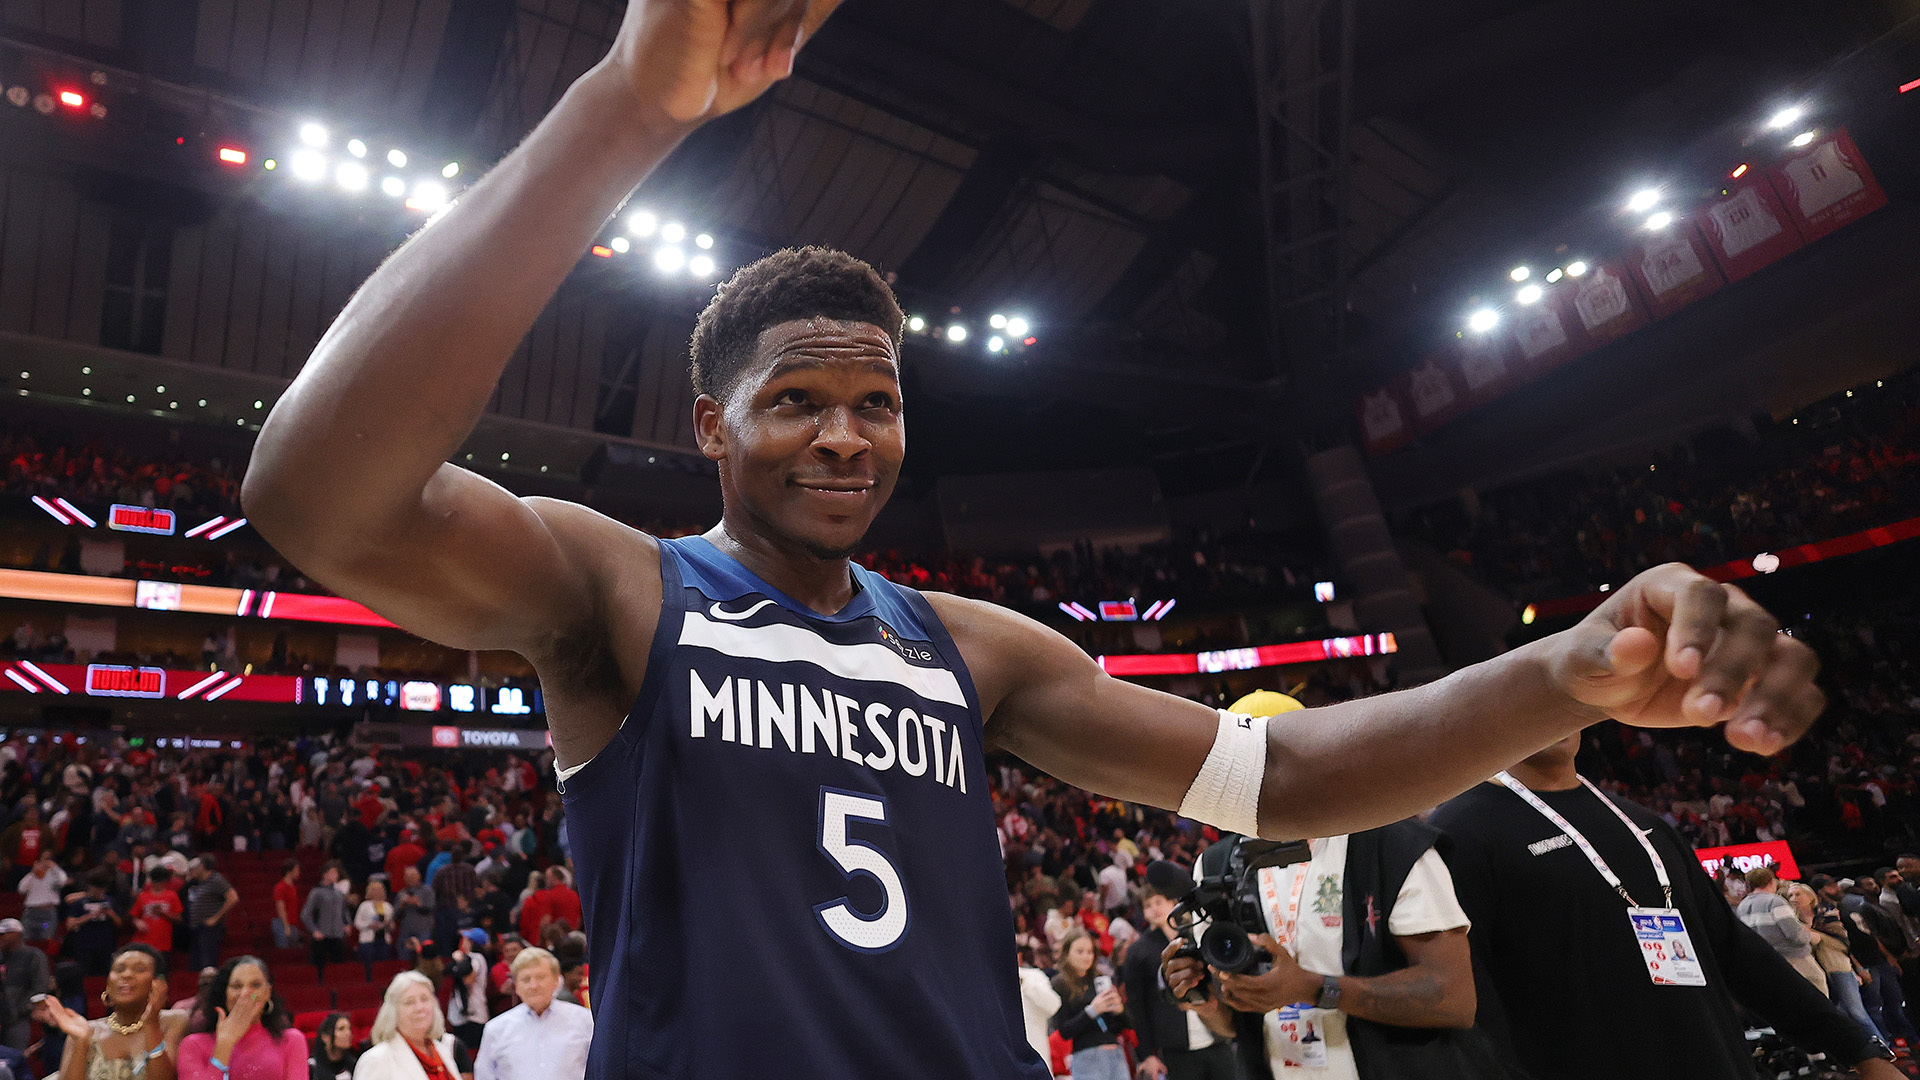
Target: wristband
(158, 1049)
(225, 1069)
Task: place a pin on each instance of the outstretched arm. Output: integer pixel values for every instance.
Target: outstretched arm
(1669, 649)
(349, 477)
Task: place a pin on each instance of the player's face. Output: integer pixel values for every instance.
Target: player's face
(811, 438)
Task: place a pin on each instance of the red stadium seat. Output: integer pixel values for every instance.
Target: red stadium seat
(309, 1022)
(301, 999)
(359, 996)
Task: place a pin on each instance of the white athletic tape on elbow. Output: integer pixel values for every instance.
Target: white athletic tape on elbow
(1226, 793)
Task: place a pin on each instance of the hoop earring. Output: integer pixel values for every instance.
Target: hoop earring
(104, 999)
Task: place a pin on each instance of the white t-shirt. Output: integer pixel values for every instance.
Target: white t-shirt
(1113, 887)
(1426, 905)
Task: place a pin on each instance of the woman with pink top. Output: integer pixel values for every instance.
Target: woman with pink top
(242, 1030)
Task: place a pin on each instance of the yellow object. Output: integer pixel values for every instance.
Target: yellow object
(1265, 703)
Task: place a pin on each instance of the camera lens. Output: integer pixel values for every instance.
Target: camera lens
(1227, 947)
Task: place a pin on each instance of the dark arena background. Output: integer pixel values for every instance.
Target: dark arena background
(1313, 346)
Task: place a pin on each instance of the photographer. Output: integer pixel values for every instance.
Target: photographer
(1371, 975)
(1177, 1040)
(1091, 1014)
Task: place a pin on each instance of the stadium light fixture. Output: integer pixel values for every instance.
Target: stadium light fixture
(397, 158)
(703, 242)
(956, 333)
(1740, 171)
(1659, 221)
(351, 175)
(1017, 327)
(308, 164)
(313, 134)
(1576, 268)
(1785, 118)
(73, 99)
(916, 324)
(427, 196)
(356, 148)
(450, 170)
(996, 343)
(1520, 273)
(1643, 200)
(997, 321)
(233, 155)
(1529, 294)
(1803, 139)
(669, 259)
(673, 232)
(702, 267)
(393, 186)
(1555, 274)
(642, 224)
(1483, 320)
(620, 244)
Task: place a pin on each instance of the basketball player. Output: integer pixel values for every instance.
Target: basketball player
(771, 758)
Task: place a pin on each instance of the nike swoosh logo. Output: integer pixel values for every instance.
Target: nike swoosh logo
(729, 616)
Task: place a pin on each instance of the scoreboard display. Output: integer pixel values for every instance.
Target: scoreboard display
(325, 691)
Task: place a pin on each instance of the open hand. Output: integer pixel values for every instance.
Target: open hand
(70, 1023)
(156, 1002)
(696, 59)
(1673, 648)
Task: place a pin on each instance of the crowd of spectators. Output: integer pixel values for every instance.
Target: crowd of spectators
(1848, 464)
(97, 471)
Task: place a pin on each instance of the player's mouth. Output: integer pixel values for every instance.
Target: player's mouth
(838, 491)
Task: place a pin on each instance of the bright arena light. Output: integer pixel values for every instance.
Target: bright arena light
(996, 343)
(669, 259)
(1529, 294)
(1644, 199)
(673, 232)
(702, 267)
(1803, 138)
(313, 134)
(703, 242)
(1016, 327)
(1659, 221)
(1520, 273)
(1483, 320)
(916, 324)
(352, 176)
(393, 186)
(397, 158)
(1786, 117)
(356, 148)
(1576, 268)
(1555, 274)
(450, 170)
(641, 224)
(427, 196)
(620, 244)
(997, 321)
(956, 333)
(308, 164)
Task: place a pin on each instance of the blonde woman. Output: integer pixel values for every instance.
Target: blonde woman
(410, 1040)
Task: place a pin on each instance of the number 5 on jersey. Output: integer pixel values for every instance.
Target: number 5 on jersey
(883, 929)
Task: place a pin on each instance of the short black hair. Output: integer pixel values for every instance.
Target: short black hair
(159, 959)
(794, 283)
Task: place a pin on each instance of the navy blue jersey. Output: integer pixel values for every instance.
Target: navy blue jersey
(787, 854)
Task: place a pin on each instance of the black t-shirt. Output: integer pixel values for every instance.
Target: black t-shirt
(1558, 968)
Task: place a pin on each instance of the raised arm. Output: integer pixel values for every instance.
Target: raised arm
(1669, 649)
(349, 477)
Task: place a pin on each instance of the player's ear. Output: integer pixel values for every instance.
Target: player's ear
(707, 429)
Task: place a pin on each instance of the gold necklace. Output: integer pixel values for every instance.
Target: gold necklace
(126, 1029)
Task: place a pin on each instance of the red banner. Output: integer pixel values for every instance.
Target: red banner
(1673, 267)
(1486, 365)
(1748, 228)
(129, 681)
(1298, 652)
(1435, 391)
(1741, 858)
(1385, 420)
(1605, 302)
(1548, 333)
(1827, 185)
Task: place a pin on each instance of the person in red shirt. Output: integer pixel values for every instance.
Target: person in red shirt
(211, 817)
(369, 806)
(535, 910)
(155, 911)
(562, 901)
(404, 854)
(286, 906)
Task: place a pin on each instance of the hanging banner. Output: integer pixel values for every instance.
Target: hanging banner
(1673, 267)
(1827, 185)
(1548, 333)
(1485, 363)
(1435, 392)
(1384, 423)
(1747, 228)
(1605, 303)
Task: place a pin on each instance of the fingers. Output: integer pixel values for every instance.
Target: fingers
(761, 37)
(1737, 659)
(1698, 607)
(1783, 704)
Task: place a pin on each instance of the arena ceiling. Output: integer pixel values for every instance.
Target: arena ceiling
(1095, 164)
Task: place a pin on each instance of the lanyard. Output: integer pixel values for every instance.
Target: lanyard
(1286, 921)
(1573, 834)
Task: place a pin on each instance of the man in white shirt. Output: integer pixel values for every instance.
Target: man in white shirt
(1112, 880)
(40, 898)
(540, 1038)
